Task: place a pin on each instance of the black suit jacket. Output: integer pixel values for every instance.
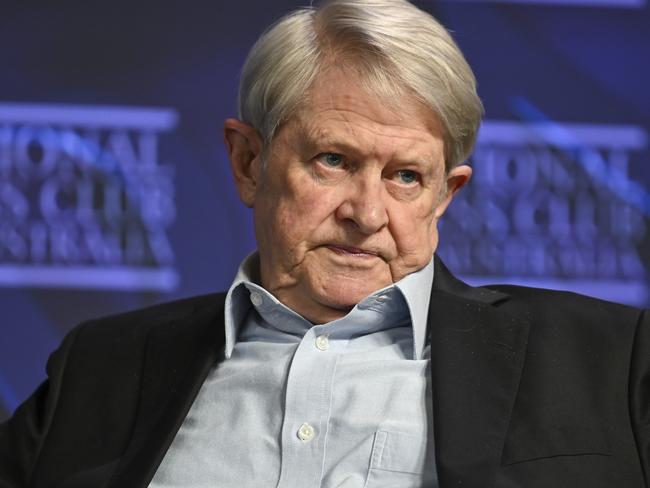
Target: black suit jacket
(531, 388)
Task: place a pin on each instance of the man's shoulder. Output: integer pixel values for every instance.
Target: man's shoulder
(135, 325)
(526, 300)
(170, 310)
(558, 298)
(565, 309)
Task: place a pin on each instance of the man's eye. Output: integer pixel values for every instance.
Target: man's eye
(407, 176)
(332, 160)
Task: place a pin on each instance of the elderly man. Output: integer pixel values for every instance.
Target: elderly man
(345, 354)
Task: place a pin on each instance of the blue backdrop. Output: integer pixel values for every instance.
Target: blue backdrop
(115, 191)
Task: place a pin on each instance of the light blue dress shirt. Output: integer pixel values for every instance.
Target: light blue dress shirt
(297, 405)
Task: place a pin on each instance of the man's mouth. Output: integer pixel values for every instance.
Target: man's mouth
(351, 251)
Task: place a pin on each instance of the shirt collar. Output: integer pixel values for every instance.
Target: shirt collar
(237, 305)
(415, 289)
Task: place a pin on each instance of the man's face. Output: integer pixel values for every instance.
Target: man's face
(349, 199)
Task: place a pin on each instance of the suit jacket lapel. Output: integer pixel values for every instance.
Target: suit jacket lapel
(477, 353)
(178, 358)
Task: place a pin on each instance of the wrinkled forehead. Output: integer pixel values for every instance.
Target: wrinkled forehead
(345, 96)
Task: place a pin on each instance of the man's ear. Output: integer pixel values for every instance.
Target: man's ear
(244, 146)
(456, 179)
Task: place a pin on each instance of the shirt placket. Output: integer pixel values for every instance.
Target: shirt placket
(308, 408)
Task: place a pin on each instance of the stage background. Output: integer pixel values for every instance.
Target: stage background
(115, 190)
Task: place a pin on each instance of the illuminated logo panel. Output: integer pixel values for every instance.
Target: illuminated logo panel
(574, 3)
(553, 205)
(85, 200)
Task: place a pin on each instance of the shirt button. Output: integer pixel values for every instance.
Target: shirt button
(306, 432)
(256, 298)
(323, 342)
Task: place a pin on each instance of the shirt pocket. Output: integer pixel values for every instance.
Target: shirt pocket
(397, 460)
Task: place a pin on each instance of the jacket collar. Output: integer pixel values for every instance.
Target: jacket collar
(477, 354)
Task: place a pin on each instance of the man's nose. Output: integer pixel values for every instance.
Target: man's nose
(364, 205)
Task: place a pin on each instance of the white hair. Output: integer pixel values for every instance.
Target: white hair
(396, 49)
